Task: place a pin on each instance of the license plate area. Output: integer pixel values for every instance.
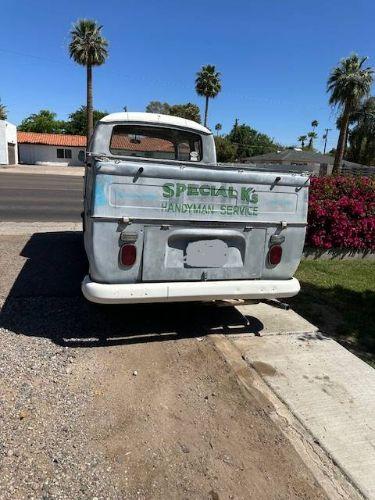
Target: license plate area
(206, 253)
(185, 254)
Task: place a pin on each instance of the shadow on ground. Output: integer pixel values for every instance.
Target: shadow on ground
(46, 301)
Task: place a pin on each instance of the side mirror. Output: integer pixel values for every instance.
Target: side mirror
(82, 156)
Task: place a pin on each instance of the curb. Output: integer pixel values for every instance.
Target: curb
(329, 476)
(28, 228)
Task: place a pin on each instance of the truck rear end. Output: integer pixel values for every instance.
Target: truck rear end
(164, 222)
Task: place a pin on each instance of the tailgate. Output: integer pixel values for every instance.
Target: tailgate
(178, 193)
(195, 223)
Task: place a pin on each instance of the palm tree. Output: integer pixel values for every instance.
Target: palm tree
(314, 124)
(302, 139)
(348, 84)
(218, 127)
(89, 48)
(312, 135)
(208, 84)
(3, 112)
(362, 135)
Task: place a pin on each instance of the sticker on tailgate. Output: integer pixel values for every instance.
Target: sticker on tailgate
(242, 201)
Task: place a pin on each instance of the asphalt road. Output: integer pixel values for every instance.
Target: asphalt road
(40, 197)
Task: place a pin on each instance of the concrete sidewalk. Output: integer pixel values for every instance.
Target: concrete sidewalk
(29, 228)
(328, 389)
(42, 169)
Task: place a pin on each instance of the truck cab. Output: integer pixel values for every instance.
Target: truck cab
(163, 222)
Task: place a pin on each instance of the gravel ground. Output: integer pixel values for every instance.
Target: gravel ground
(123, 402)
(43, 447)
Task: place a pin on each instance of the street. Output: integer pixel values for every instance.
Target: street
(36, 197)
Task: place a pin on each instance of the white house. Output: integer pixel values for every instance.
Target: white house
(8, 143)
(42, 149)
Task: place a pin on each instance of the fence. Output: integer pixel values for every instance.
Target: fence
(356, 169)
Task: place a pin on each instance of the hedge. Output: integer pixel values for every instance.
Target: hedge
(341, 213)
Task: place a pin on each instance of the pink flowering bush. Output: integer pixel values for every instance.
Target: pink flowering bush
(342, 213)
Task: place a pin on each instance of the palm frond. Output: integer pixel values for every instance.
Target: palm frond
(349, 82)
(3, 112)
(88, 46)
(208, 82)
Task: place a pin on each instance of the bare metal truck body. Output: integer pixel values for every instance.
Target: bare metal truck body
(163, 222)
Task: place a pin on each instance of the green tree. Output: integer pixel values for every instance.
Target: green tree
(43, 122)
(161, 108)
(226, 151)
(3, 111)
(302, 139)
(314, 124)
(218, 127)
(88, 48)
(77, 123)
(312, 135)
(208, 85)
(348, 84)
(189, 111)
(250, 142)
(362, 134)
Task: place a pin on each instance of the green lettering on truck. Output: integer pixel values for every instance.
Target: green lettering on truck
(168, 190)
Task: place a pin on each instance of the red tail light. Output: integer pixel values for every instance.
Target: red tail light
(128, 255)
(274, 255)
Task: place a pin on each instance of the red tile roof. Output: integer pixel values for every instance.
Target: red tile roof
(124, 142)
(51, 139)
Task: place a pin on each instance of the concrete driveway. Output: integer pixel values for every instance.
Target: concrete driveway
(328, 389)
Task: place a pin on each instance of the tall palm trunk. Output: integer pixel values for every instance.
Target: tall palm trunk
(206, 112)
(341, 144)
(89, 111)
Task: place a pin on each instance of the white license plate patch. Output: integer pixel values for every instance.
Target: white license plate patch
(206, 253)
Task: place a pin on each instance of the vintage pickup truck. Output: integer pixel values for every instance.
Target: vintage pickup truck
(164, 222)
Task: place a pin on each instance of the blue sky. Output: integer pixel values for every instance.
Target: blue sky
(274, 56)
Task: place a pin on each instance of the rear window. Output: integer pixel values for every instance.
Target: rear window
(155, 142)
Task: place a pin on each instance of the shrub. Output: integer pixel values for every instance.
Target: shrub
(342, 213)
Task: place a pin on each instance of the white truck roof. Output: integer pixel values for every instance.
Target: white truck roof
(156, 119)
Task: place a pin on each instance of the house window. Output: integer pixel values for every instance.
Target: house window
(64, 153)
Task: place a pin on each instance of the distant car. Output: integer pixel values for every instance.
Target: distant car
(163, 222)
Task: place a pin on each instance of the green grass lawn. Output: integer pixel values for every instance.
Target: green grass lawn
(339, 298)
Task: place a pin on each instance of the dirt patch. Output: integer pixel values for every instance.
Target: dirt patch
(181, 428)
